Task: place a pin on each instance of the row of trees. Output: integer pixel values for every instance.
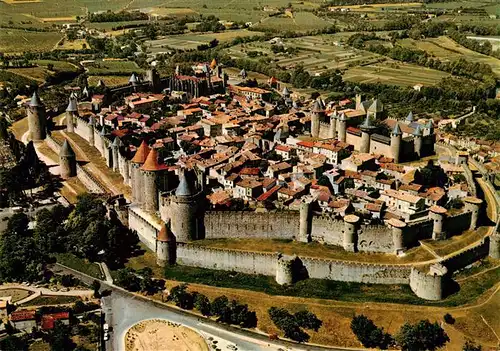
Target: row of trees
(110, 16)
(225, 310)
(421, 336)
(293, 324)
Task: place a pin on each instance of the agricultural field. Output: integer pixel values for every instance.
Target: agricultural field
(397, 73)
(113, 68)
(108, 26)
(447, 50)
(109, 81)
(41, 71)
(316, 53)
(19, 41)
(77, 44)
(380, 7)
(192, 40)
(300, 21)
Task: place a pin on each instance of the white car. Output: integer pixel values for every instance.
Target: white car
(105, 327)
(106, 336)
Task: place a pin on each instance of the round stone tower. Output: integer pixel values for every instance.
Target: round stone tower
(166, 247)
(36, 118)
(284, 269)
(367, 129)
(431, 285)
(342, 127)
(396, 143)
(151, 171)
(316, 114)
(398, 239)
(67, 161)
(184, 209)
(304, 223)
(71, 112)
(350, 232)
(137, 182)
(473, 204)
(437, 214)
(495, 242)
(115, 151)
(417, 141)
(332, 132)
(91, 127)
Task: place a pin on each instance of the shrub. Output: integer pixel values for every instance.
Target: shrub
(448, 318)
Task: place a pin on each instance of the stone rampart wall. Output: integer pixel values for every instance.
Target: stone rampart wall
(82, 128)
(266, 263)
(375, 238)
(145, 230)
(87, 179)
(249, 224)
(227, 260)
(327, 230)
(467, 257)
(458, 223)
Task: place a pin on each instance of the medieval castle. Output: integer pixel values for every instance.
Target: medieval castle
(169, 208)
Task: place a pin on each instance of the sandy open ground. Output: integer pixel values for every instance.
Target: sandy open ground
(162, 335)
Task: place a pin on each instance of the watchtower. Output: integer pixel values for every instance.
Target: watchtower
(67, 160)
(316, 113)
(342, 127)
(151, 170)
(184, 209)
(396, 142)
(437, 214)
(137, 182)
(417, 141)
(332, 132)
(36, 118)
(350, 232)
(71, 112)
(367, 129)
(166, 247)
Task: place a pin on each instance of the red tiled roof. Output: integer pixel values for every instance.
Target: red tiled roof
(267, 194)
(151, 164)
(49, 320)
(141, 154)
(23, 315)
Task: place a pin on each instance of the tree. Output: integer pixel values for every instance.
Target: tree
(218, 305)
(422, 336)
(13, 343)
(59, 337)
(471, 346)
(202, 304)
(448, 318)
(181, 297)
(368, 333)
(308, 320)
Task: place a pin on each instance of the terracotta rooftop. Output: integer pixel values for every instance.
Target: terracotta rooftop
(141, 154)
(164, 234)
(23, 315)
(152, 163)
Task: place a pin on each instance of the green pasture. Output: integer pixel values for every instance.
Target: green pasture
(113, 68)
(301, 21)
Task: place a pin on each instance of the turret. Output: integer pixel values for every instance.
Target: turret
(350, 232)
(91, 127)
(473, 204)
(67, 161)
(367, 128)
(437, 214)
(115, 151)
(316, 114)
(285, 93)
(304, 223)
(133, 80)
(137, 182)
(494, 251)
(71, 112)
(153, 79)
(166, 247)
(409, 119)
(396, 142)
(285, 266)
(36, 118)
(332, 132)
(431, 285)
(417, 141)
(184, 209)
(342, 127)
(397, 228)
(376, 108)
(151, 170)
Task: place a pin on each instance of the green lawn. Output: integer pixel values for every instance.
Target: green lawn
(301, 21)
(80, 264)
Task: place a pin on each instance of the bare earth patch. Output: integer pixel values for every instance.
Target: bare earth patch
(157, 334)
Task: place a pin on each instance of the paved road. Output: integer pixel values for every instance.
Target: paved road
(44, 291)
(124, 309)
